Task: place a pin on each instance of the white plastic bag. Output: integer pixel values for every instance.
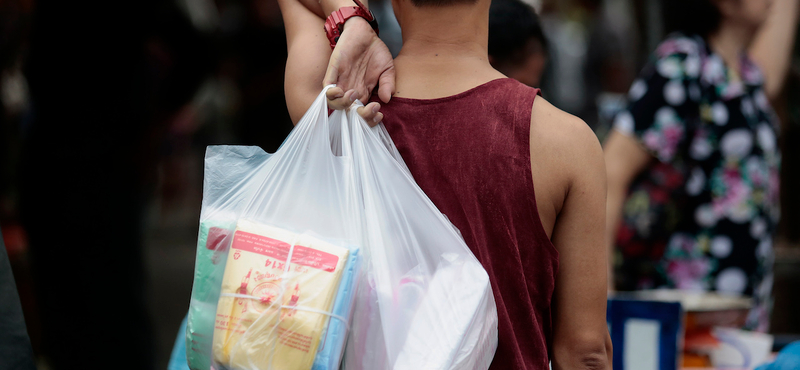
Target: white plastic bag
(337, 242)
(434, 301)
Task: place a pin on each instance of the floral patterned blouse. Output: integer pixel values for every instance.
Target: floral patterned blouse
(702, 216)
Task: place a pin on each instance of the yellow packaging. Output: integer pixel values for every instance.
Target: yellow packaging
(256, 333)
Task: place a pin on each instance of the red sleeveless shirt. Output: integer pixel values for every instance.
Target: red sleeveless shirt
(470, 153)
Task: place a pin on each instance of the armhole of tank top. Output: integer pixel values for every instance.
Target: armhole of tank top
(532, 181)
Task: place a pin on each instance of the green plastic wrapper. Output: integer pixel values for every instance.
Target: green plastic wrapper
(212, 246)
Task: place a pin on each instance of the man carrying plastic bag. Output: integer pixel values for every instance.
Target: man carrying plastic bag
(476, 143)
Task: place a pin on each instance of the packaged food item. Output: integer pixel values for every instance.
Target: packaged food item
(335, 334)
(212, 254)
(231, 177)
(277, 296)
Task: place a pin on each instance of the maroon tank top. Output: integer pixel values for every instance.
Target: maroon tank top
(470, 153)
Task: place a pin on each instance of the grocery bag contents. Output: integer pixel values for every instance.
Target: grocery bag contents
(439, 322)
(329, 244)
(335, 335)
(212, 254)
(459, 287)
(230, 177)
(277, 293)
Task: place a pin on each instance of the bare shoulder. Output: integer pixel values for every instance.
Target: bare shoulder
(565, 152)
(565, 133)
(561, 136)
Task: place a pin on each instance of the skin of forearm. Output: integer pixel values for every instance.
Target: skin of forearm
(324, 8)
(772, 47)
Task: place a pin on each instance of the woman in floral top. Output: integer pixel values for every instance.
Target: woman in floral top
(693, 161)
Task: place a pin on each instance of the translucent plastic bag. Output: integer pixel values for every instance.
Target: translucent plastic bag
(232, 174)
(339, 243)
(426, 298)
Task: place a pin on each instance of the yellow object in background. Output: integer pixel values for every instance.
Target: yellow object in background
(252, 331)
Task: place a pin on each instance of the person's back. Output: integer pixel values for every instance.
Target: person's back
(522, 180)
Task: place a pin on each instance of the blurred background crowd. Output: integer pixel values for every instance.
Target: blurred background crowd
(107, 108)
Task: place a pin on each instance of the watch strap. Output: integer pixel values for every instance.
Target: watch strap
(334, 24)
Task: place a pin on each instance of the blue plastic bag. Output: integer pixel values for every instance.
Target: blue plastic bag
(177, 360)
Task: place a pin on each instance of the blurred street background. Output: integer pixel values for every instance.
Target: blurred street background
(110, 106)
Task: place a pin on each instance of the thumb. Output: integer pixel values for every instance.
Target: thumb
(386, 87)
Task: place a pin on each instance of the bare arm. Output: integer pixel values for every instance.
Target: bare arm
(772, 47)
(625, 159)
(309, 54)
(580, 334)
(323, 8)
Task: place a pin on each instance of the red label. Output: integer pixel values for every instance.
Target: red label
(216, 235)
(280, 250)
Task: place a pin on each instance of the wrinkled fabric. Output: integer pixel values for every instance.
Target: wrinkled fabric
(471, 156)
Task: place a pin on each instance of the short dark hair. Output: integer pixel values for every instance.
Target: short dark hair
(512, 24)
(691, 17)
(441, 2)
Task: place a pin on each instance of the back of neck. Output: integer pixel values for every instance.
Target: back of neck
(445, 50)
